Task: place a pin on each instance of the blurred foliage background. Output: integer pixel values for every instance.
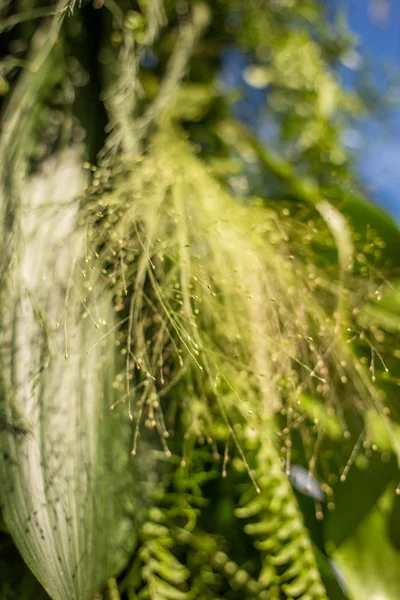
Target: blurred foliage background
(184, 241)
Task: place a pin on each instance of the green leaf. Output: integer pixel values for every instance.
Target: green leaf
(368, 559)
(68, 492)
(355, 498)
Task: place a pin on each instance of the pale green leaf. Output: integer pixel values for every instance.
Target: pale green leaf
(68, 493)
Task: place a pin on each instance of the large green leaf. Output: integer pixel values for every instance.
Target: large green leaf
(355, 498)
(369, 560)
(68, 490)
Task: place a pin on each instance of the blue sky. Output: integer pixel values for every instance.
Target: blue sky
(377, 26)
(375, 141)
